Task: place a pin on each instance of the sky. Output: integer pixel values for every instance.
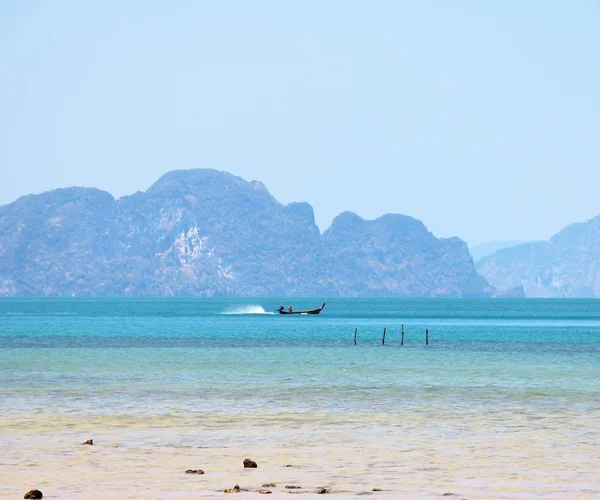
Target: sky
(482, 119)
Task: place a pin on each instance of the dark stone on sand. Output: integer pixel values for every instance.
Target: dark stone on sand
(376, 489)
(33, 494)
(235, 489)
(249, 464)
(321, 491)
(450, 494)
(265, 492)
(89, 441)
(194, 471)
(288, 465)
(291, 487)
(269, 485)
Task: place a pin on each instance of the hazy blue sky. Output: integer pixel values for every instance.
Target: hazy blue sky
(480, 118)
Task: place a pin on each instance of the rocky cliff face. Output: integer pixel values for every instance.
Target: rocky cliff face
(203, 233)
(395, 255)
(566, 266)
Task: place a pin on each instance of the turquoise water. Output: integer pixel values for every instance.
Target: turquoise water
(516, 380)
(544, 352)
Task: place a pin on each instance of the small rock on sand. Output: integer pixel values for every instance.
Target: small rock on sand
(249, 464)
(194, 471)
(321, 491)
(265, 492)
(291, 487)
(89, 441)
(269, 485)
(235, 489)
(33, 494)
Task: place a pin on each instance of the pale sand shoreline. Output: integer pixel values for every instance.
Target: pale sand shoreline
(473, 457)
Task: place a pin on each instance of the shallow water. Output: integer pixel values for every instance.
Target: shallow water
(504, 402)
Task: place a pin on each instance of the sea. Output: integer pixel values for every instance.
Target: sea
(480, 398)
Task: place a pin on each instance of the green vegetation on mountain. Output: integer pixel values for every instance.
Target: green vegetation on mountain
(568, 265)
(203, 232)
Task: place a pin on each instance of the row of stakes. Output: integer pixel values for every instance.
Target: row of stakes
(401, 341)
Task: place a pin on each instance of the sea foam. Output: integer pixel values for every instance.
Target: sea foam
(252, 309)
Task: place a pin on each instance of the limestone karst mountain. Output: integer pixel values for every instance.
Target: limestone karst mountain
(203, 232)
(568, 265)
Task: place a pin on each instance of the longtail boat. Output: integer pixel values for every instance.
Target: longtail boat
(281, 310)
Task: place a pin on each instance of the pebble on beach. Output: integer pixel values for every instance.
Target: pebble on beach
(265, 492)
(194, 471)
(33, 494)
(291, 487)
(89, 441)
(269, 485)
(249, 464)
(321, 491)
(235, 489)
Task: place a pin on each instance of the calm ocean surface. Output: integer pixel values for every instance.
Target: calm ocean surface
(504, 401)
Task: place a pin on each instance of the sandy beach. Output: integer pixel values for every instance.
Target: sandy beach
(412, 455)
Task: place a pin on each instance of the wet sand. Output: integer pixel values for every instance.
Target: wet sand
(418, 454)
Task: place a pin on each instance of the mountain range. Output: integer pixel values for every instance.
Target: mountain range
(202, 232)
(482, 250)
(568, 265)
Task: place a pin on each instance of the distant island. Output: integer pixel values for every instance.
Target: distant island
(482, 250)
(568, 265)
(203, 232)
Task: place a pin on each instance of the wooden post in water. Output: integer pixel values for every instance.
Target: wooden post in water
(402, 341)
(355, 335)
(426, 336)
(383, 338)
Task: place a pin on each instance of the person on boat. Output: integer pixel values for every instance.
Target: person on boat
(290, 309)
(281, 308)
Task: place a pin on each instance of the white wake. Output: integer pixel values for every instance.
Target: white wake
(247, 310)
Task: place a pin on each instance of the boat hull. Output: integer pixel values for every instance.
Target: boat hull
(309, 311)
